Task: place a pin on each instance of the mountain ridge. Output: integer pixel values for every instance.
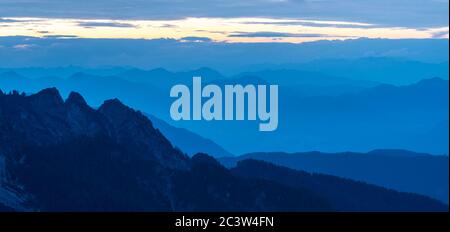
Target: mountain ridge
(315, 122)
(391, 168)
(58, 155)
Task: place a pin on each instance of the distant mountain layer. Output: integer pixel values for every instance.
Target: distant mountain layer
(395, 169)
(410, 117)
(343, 194)
(376, 69)
(187, 141)
(62, 155)
(342, 115)
(229, 58)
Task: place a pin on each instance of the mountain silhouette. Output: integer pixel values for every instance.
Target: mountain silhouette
(63, 155)
(343, 194)
(188, 141)
(395, 169)
(411, 117)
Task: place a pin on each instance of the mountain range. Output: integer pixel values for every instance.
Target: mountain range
(188, 141)
(63, 155)
(231, 58)
(358, 116)
(387, 70)
(394, 169)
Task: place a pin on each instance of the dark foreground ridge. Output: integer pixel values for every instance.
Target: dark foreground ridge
(401, 170)
(58, 155)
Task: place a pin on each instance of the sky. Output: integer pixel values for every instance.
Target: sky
(230, 21)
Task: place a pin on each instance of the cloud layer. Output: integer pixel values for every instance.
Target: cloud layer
(212, 29)
(190, 54)
(408, 13)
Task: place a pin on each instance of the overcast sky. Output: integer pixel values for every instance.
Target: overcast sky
(250, 21)
(409, 13)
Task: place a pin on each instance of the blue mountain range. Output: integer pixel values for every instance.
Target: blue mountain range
(395, 169)
(359, 116)
(63, 155)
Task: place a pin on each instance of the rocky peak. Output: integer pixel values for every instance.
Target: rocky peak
(113, 104)
(118, 113)
(76, 99)
(47, 98)
(132, 127)
(45, 119)
(121, 115)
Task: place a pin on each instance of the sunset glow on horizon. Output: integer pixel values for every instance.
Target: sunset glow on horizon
(230, 30)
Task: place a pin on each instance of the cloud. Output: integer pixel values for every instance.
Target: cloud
(18, 20)
(195, 39)
(169, 26)
(440, 34)
(404, 13)
(3, 20)
(175, 55)
(314, 24)
(269, 34)
(105, 24)
(214, 32)
(23, 46)
(60, 36)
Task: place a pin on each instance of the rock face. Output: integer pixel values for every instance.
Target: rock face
(133, 129)
(58, 155)
(51, 148)
(46, 119)
(66, 156)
